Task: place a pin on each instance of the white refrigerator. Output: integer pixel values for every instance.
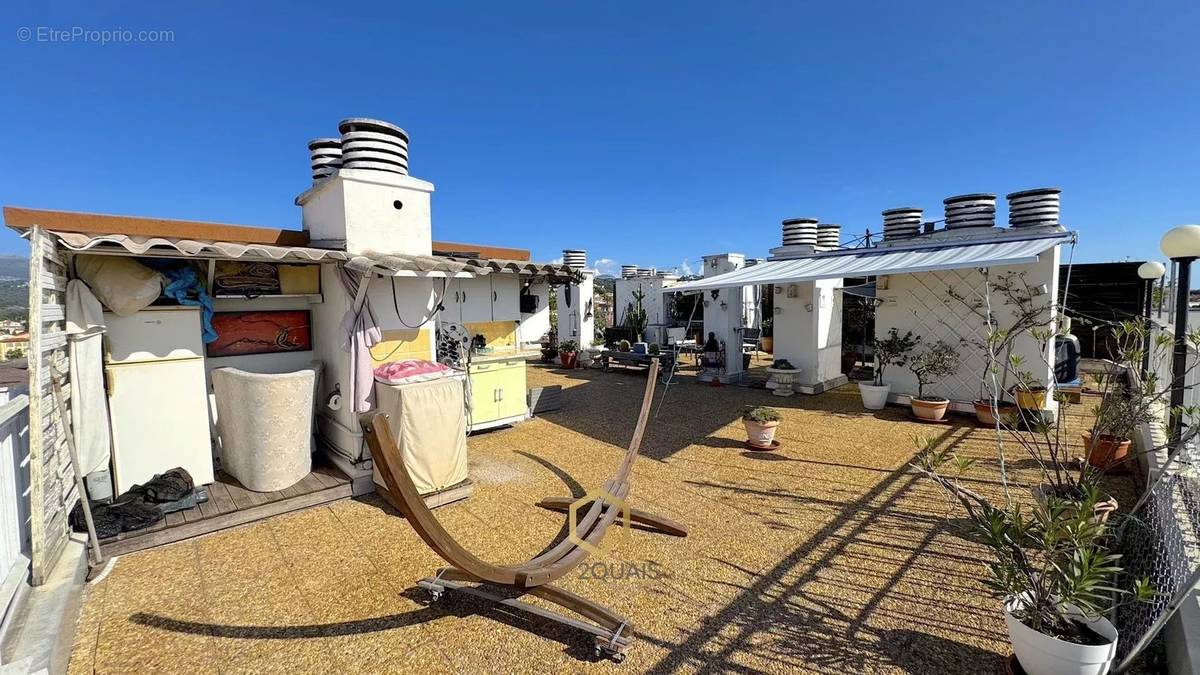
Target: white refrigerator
(157, 396)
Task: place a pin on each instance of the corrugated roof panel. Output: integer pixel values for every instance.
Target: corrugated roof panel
(874, 262)
(384, 264)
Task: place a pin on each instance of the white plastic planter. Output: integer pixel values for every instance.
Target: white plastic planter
(874, 397)
(1041, 654)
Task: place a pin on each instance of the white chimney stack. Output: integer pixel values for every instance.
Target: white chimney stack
(574, 258)
(1032, 208)
(370, 204)
(326, 157)
(829, 237)
(968, 211)
(628, 271)
(800, 232)
(902, 222)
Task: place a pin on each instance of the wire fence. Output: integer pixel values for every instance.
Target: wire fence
(1160, 540)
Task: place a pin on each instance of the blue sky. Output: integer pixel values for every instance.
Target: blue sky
(647, 133)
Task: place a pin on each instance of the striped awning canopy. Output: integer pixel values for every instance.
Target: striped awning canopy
(395, 265)
(926, 257)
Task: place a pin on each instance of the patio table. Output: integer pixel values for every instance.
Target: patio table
(609, 357)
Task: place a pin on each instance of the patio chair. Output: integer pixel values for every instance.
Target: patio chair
(613, 633)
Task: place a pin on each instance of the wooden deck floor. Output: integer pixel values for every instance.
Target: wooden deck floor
(230, 504)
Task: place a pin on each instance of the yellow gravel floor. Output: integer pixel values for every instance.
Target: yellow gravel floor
(828, 555)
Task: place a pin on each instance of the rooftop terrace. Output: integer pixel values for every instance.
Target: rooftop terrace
(828, 555)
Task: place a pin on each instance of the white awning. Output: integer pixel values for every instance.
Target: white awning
(877, 261)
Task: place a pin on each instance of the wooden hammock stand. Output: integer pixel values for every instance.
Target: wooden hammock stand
(613, 633)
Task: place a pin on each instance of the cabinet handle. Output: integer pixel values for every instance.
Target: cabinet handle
(501, 393)
(494, 296)
(495, 395)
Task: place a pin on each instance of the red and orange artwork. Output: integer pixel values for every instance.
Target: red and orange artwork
(264, 332)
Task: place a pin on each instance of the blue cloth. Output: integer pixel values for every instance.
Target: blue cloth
(186, 288)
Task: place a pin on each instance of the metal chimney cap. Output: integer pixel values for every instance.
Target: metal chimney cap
(968, 198)
(367, 124)
(901, 209)
(324, 143)
(1034, 192)
(805, 221)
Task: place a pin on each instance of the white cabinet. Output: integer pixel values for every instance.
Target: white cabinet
(476, 302)
(506, 297)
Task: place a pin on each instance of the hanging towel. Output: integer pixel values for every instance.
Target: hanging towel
(89, 405)
(360, 332)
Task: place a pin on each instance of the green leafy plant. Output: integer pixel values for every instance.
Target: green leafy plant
(654, 348)
(892, 350)
(768, 327)
(932, 364)
(624, 346)
(761, 415)
(1047, 558)
(635, 315)
(568, 347)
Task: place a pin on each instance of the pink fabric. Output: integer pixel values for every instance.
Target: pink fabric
(360, 332)
(400, 371)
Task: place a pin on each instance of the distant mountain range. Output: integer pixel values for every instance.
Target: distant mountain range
(14, 267)
(14, 286)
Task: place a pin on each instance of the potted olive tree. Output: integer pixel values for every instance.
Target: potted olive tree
(761, 422)
(893, 350)
(767, 337)
(930, 365)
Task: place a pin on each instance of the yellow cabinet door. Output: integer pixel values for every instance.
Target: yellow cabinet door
(484, 399)
(511, 392)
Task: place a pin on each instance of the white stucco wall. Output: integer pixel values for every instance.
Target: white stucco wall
(920, 303)
(726, 323)
(534, 325)
(657, 317)
(415, 298)
(577, 319)
(808, 328)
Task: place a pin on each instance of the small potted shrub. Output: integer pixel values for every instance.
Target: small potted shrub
(767, 337)
(549, 353)
(655, 350)
(623, 346)
(1118, 417)
(636, 321)
(930, 366)
(893, 350)
(761, 422)
(1053, 570)
(1030, 396)
(568, 354)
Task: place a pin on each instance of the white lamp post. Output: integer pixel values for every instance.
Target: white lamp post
(1151, 272)
(1181, 244)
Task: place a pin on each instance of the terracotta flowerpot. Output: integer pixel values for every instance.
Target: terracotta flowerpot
(569, 359)
(983, 412)
(934, 409)
(1031, 400)
(1105, 450)
(768, 344)
(760, 435)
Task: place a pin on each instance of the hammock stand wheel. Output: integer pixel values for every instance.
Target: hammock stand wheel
(613, 633)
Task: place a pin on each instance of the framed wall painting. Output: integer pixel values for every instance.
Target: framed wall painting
(261, 332)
